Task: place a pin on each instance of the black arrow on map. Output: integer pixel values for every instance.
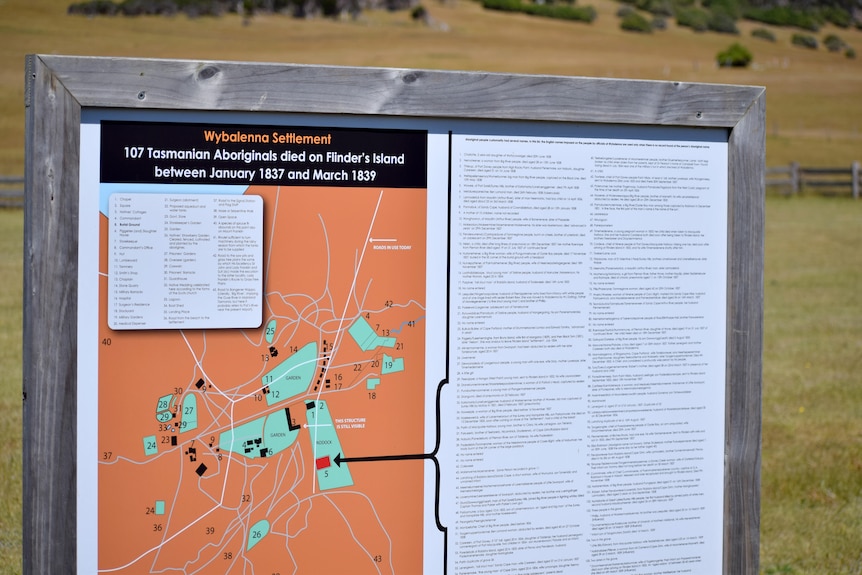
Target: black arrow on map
(339, 459)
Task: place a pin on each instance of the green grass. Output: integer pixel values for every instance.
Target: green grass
(11, 261)
(811, 512)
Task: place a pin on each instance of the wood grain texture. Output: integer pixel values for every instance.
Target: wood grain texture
(171, 84)
(50, 323)
(747, 156)
(58, 87)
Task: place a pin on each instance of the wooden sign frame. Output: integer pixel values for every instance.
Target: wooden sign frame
(58, 88)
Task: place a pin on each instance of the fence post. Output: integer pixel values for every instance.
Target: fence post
(794, 178)
(854, 179)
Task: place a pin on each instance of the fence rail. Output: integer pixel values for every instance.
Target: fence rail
(794, 179)
(11, 191)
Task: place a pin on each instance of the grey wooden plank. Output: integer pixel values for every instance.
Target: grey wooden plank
(50, 311)
(745, 342)
(176, 84)
(827, 171)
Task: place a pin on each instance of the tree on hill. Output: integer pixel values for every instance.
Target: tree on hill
(297, 8)
(722, 15)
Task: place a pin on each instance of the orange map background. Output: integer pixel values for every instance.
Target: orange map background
(313, 240)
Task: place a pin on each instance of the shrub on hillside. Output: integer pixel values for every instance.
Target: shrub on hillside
(656, 7)
(420, 14)
(624, 11)
(694, 18)
(502, 5)
(634, 22)
(94, 8)
(563, 12)
(837, 15)
(677, 4)
(560, 11)
(732, 8)
(191, 8)
(736, 56)
(763, 34)
(850, 53)
(804, 40)
(723, 22)
(783, 16)
(659, 23)
(833, 43)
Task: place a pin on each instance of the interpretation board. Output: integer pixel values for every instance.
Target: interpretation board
(299, 319)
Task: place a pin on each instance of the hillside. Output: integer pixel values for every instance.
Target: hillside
(813, 96)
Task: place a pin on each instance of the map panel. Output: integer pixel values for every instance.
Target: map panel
(229, 451)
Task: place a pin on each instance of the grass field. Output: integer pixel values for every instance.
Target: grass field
(11, 260)
(812, 403)
(812, 440)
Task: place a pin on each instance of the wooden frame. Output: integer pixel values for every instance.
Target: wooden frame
(59, 87)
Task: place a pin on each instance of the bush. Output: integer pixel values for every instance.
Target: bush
(730, 7)
(836, 15)
(634, 22)
(694, 18)
(736, 55)
(850, 53)
(804, 41)
(562, 12)
(502, 5)
(94, 8)
(784, 16)
(659, 23)
(833, 43)
(722, 22)
(191, 8)
(656, 7)
(763, 34)
(624, 11)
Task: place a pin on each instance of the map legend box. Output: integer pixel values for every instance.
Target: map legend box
(185, 261)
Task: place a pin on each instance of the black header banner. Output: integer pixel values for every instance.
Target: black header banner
(174, 153)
